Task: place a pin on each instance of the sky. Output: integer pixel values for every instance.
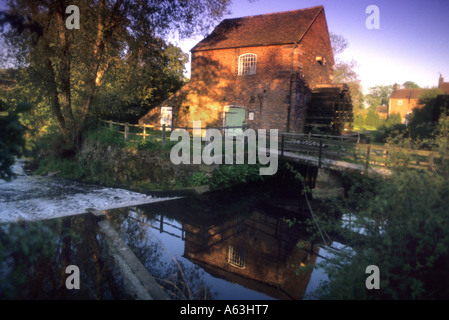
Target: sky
(411, 43)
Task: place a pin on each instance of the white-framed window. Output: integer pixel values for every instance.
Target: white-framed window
(399, 102)
(247, 64)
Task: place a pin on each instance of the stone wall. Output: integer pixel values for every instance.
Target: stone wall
(135, 168)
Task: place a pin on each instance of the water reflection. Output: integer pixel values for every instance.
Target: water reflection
(34, 257)
(193, 245)
(207, 247)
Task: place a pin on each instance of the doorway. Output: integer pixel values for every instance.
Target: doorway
(234, 117)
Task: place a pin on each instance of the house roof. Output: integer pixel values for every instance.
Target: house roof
(406, 94)
(267, 29)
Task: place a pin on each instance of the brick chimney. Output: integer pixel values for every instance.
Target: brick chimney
(440, 81)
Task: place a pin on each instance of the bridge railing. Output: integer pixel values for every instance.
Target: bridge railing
(321, 148)
(314, 147)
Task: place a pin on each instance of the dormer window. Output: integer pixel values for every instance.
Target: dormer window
(247, 64)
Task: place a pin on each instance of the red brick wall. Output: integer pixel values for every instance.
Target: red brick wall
(277, 94)
(316, 42)
(403, 107)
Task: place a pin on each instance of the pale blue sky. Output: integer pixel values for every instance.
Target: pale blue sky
(412, 43)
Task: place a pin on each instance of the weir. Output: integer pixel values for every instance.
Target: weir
(139, 283)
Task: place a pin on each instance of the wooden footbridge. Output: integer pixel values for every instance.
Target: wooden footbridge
(347, 152)
(335, 152)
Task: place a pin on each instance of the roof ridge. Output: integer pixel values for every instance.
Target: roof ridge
(241, 32)
(274, 13)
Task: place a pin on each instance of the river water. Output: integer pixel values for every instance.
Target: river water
(42, 197)
(216, 246)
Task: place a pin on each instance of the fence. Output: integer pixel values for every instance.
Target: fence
(158, 132)
(349, 149)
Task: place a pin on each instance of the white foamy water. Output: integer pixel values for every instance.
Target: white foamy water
(37, 198)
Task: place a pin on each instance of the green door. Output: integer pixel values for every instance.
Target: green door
(235, 117)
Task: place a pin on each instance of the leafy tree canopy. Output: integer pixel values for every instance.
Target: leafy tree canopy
(12, 141)
(378, 96)
(119, 46)
(410, 85)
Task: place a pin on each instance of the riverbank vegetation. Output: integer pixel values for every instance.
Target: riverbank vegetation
(106, 158)
(403, 222)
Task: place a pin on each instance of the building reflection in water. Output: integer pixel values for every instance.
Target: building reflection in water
(258, 249)
(237, 241)
(260, 252)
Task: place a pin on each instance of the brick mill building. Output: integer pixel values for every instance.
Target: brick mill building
(270, 71)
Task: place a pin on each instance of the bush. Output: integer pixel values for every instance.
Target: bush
(384, 132)
(405, 224)
(64, 168)
(199, 179)
(105, 137)
(227, 176)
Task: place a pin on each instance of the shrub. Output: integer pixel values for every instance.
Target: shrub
(227, 176)
(199, 179)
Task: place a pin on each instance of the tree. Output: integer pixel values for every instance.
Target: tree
(424, 121)
(71, 65)
(344, 71)
(410, 85)
(139, 82)
(378, 96)
(339, 43)
(12, 142)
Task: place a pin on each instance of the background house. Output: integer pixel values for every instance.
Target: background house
(403, 101)
(262, 71)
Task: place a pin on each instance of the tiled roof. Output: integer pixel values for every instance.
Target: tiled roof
(406, 94)
(267, 29)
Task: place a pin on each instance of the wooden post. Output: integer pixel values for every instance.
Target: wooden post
(368, 151)
(144, 132)
(163, 134)
(110, 124)
(282, 146)
(320, 153)
(126, 130)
